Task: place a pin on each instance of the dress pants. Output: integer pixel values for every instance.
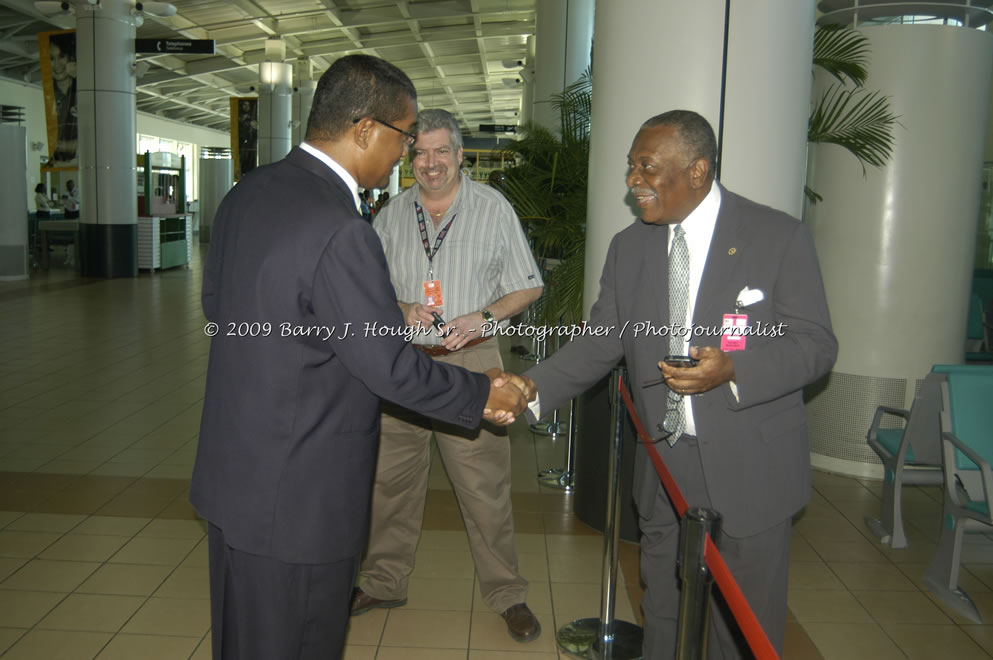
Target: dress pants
(478, 464)
(759, 564)
(265, 609)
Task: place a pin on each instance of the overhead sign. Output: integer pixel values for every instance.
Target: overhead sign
(197, 46)
(497, 128)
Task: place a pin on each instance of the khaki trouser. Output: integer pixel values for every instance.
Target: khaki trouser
(478, 464)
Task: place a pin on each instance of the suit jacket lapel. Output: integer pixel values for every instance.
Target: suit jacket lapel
(721, 260)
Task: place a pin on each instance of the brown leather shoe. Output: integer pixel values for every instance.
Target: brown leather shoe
(363, 602)
(522, 624)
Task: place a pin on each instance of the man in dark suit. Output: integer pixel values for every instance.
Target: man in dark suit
(305, 326)
(737, 419)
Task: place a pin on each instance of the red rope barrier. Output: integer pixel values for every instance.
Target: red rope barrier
(743, 614)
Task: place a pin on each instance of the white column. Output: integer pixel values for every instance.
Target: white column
(759, 112)
(528, 75)
(394, 185)
(107, 127)
(275, 106)
(897, 246)
(13, 204)
(564, 36)
(216, 179)
(303, 98)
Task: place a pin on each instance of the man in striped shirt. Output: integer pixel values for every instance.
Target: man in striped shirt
(455, 248)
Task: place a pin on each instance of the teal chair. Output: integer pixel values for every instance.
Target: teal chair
(967, 451)
(911, 455)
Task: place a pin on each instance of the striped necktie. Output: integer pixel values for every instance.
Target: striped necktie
(679, 294)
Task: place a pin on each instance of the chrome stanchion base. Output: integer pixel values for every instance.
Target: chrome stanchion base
(582, 638)
(552, 429)
(628, 639)
(558, 478)
(577, 637)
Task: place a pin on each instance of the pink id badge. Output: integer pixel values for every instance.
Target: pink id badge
(733, 332)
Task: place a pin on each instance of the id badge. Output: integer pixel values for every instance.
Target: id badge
(733, 332)
(432, 293)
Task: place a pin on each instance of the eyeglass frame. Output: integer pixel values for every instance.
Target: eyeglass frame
(410, 137)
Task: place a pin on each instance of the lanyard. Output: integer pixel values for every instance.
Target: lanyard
(422, 225)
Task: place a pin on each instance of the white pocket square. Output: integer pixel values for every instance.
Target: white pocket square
(749, 297)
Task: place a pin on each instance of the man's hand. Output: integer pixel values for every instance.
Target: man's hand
(714, 370)
(524, 384)
(506, 400)
(462, 330)
(416, 312)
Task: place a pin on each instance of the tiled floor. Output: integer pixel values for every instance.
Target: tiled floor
(101, 383)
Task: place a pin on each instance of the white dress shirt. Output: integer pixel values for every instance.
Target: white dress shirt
(699, 227)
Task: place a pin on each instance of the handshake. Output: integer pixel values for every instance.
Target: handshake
(509, 396)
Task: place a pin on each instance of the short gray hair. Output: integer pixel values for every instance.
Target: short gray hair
(434, 119)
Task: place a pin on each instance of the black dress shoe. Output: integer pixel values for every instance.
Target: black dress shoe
(522, 624)
(363, 602)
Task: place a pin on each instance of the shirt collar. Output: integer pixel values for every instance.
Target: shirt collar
(336, 167)
(700, 222)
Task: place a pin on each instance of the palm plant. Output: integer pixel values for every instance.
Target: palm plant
(548, 189)
(854, 118)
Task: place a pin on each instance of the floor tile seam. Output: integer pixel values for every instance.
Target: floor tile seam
(889, 563)
(933, 625)
(102, 563)
(34, 626)
(880, 623)
(17, 641)
(22, 514)
(197, 646)
(896, 643)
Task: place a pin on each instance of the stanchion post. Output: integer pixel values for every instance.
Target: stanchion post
(617, 640)
(563, 478)
(570, 447)
(606, 638)
(554, 427)
(611, 530)
(694, 604)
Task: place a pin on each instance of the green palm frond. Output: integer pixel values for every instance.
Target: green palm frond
(564, 287)
(812, 195)
(852, 118)
(574, 106)
(547, 187)
(842, 52)
(857, 120)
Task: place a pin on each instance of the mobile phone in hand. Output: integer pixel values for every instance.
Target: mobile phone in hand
(680, 361)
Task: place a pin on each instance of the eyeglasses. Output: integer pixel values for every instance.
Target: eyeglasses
(409, 137)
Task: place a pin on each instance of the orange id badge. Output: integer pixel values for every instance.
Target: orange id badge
(432, 293)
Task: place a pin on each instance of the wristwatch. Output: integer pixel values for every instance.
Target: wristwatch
(487, 316)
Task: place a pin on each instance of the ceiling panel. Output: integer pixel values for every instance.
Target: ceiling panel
(436, 42)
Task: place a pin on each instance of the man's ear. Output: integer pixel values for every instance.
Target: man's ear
(362, 132)
(699, 172)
